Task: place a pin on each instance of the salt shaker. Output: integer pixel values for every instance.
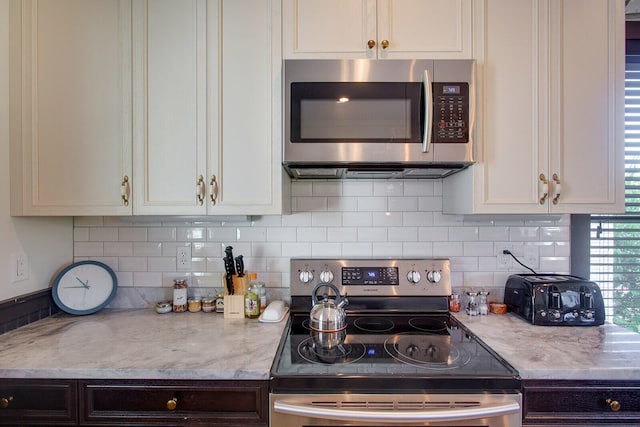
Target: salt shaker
(483, 307)
(472, 303)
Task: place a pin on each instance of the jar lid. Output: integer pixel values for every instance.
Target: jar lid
(208, 299)
(194, 299)
(164, 304)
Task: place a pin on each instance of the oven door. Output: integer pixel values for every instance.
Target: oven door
(363, 410)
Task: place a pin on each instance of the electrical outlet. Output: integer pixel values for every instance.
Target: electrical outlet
(531, 256)
(19, 267)
(183, 258)
(504, 260)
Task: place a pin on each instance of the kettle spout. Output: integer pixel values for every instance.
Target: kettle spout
(344, 301)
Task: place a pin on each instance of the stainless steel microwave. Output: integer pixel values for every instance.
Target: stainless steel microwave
(362, 118)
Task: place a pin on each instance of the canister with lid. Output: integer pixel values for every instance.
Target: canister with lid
(180, 295)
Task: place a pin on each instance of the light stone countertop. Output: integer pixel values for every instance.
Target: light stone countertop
(141, 344)
(607, 352)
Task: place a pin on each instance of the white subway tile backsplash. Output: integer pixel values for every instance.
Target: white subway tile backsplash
(132, 234)
(161, 234)
(118, 249)
(148, 249)
(359, 218)
(372, 204)
(326, 219)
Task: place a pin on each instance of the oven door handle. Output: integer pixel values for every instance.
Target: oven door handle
(398, 416)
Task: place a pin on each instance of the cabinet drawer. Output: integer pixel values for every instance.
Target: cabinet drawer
(214, 403)
(37, 402)
(581, 402)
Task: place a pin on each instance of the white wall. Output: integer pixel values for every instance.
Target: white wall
(47, 242)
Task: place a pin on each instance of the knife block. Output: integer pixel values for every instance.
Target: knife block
(234, 304)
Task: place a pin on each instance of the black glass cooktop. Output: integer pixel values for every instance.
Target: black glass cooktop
(390, 351)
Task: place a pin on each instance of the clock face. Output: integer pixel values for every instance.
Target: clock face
(84, 287)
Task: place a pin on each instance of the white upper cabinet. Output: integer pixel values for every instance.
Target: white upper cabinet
(70, 103)
(378, 29)
(550, 122)
(245, 109)
(170, 120)
(144, 107)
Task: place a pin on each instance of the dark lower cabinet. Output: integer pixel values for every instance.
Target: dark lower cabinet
(175, 403)
(581, 403)
(27, 402)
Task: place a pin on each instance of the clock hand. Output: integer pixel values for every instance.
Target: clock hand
(79, 287)
(86, 285)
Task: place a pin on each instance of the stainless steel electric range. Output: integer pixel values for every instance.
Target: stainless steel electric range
(402, 359)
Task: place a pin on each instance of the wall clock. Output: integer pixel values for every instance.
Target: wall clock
(84, 287)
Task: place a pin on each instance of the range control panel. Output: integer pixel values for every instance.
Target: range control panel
(450, 112)
(373, 277)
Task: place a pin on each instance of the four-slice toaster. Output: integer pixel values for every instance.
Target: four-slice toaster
(555, 299)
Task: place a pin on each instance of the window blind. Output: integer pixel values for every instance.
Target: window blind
(615, 239)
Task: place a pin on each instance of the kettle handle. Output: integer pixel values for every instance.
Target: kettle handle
(314, 296)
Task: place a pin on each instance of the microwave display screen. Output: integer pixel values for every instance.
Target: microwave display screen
(357, 111)
(450, 90)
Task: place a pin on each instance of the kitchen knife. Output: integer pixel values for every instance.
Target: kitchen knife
(240, 265)
(229, 256)
(229, 269)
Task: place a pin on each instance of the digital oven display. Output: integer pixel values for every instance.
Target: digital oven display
(386, 276)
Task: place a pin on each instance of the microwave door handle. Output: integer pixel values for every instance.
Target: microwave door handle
(428, 103)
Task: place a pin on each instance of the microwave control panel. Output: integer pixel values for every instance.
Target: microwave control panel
(450, 112)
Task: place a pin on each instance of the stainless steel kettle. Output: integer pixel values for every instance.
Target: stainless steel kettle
(328, 315)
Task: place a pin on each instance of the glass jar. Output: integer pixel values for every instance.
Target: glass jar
(472, 303)
(252, 298)
(180, 295)
(483, 306)
(454, 302)
(208, 304)
(195, 305)
(219, 303)
(262, 296)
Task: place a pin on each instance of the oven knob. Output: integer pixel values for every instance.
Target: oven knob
(326, 276)
(306, 276)
(434, 276)
(413, 276)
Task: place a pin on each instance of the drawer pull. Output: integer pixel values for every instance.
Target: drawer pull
(4, 402)
(614, 405)
(172, 404)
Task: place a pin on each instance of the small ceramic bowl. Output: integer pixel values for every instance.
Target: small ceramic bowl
(164, 307)
(497, 308)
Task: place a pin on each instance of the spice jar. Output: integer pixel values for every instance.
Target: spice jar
(219, 303)
(163, 307)
(454, 302)
(208, 304)
(180, 295)
(195, 305)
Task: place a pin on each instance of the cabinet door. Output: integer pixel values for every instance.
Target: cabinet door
(329, 28)
(169, 107)
(245, 103)
(70, 106)
(38, 402)
(511, 120)
(587, 105)
(424, 29)
(393, 29)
